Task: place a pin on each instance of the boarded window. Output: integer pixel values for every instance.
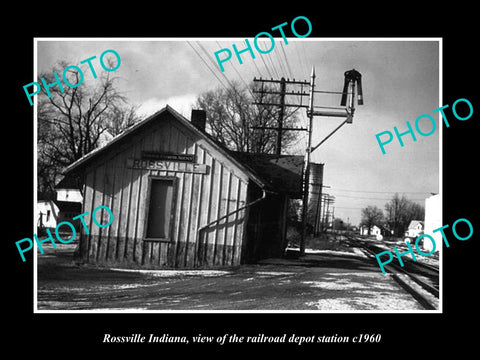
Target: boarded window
(160, 209)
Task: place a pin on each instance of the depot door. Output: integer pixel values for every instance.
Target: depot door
(160, 209)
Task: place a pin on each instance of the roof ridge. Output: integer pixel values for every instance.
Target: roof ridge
(87, 157)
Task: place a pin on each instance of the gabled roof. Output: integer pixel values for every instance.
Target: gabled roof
(267, 171)
(413, 224)
(381, 227)
(84, 160)
(68, 182)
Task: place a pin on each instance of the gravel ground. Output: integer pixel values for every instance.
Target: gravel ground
(332, 279)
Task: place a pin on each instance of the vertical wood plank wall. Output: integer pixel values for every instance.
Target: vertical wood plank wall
(198, 200)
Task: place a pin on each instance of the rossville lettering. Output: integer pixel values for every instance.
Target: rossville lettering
(134, 338)
(170, 166)
(37, 86)
(57, 235)
(228, 53)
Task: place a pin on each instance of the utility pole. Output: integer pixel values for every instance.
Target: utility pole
(280, 117)
(333, 219)
(319, 213)
(327, 201)
(352, 77)
(280, 129)
(306, 166)
(325, 218)
(317, 218)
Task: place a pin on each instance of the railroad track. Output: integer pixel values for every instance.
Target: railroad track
(429, 267)
(425, 275)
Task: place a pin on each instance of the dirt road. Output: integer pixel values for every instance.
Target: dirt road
(326, 280)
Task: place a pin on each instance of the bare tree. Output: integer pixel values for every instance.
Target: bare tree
(71, 122)
(233, 120)
(119, 118)
(371, 215)
(399, 211)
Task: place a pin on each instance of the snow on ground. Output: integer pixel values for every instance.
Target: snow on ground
(175, 273)
(329, 252)
(348, 291)
(336, 278)
(362, 301)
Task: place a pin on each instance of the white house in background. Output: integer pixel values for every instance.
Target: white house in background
(52, 212)
(67, 190)
(415, 229)
(47, 214)
(67, 205)
(378, 231)
(374, 231)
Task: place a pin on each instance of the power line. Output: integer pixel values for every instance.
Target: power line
(273, 65)
(256, 67)
(241, 78)
(203, 60)
(369, 198)
(384, 192)
(264, 63)
(301, 60)
(213, 62)
(266, 67)
(350, 208)
(286, 60)
(280, 62)
(304, 51)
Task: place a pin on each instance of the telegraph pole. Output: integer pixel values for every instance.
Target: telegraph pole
(352, 77)
(280, 129)
(306, 167)
(280, 116)
(326, 214)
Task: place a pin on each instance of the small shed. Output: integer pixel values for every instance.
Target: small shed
(47, 214)
(180, 199)
(375, 230)
(52, 212)
(68, 190)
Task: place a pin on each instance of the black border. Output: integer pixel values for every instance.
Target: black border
(405, 334)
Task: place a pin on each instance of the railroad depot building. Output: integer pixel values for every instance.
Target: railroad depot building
(180, 199)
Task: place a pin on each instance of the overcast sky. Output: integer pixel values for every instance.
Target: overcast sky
(400, 83)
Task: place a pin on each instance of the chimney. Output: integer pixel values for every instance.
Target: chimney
(199, 119)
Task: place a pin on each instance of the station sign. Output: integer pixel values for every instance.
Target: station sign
(163, 165)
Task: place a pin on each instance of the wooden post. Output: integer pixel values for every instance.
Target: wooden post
(306, 169)
(280, 116)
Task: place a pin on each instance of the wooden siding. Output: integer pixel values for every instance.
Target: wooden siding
(198, 200)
